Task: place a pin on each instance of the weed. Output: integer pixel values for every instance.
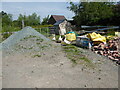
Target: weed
(85, 59)
(75, 55)
(50, 44)
(30, 36)
(57, 37)
(43, 47)
(38, 43)
(37, 55)
(39, 39)
(30, 48)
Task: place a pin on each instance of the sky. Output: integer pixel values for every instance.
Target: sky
(41, 8)
(59, 0)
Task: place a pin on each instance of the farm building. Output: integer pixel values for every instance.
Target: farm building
(61, 25)
(54, 18)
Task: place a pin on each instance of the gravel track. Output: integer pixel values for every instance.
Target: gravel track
(35, 62)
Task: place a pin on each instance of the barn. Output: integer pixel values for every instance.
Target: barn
(54, 18)
(61, 25)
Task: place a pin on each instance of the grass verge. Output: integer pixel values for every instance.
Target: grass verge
(76, 56)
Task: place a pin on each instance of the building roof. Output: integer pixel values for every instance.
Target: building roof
(58, 17)
(60, 21)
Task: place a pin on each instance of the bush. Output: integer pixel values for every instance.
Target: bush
(8, 30)
(111, 32)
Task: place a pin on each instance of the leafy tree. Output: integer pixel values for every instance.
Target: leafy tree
(45, 20)
(33, 19)
(19, 20)
(117, 11)
(87, 13)
(29, 20)
(6, 18)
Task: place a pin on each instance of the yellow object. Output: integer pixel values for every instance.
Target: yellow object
(117, 34)
(109, 37)
(96, 37)
(71, 37)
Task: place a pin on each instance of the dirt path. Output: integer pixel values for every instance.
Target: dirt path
(52, 69)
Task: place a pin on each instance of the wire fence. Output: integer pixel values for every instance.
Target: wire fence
(44, 30)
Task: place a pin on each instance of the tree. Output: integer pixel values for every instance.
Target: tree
(6, 18)
(20, 19)
(34, 19)
(7, 24)
(45, 20)
(116, 17)
(87, 13)
(30, 20)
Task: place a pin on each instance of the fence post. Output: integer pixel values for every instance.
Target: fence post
(23, 24)
(47, 32)
(40, 30)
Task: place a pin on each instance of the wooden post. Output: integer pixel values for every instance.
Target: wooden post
(22, 23)
(40, 30)
(47, 32)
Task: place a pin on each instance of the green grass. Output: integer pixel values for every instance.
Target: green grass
(7, 28)
(31, 36)
(75, 55)
(111, 32)
(25, 38)
(39, 39)
(43, 47)
(57, 37)
(45, 31)
(42, 26)
(30, 48)
(85, 59)
(37, 55)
